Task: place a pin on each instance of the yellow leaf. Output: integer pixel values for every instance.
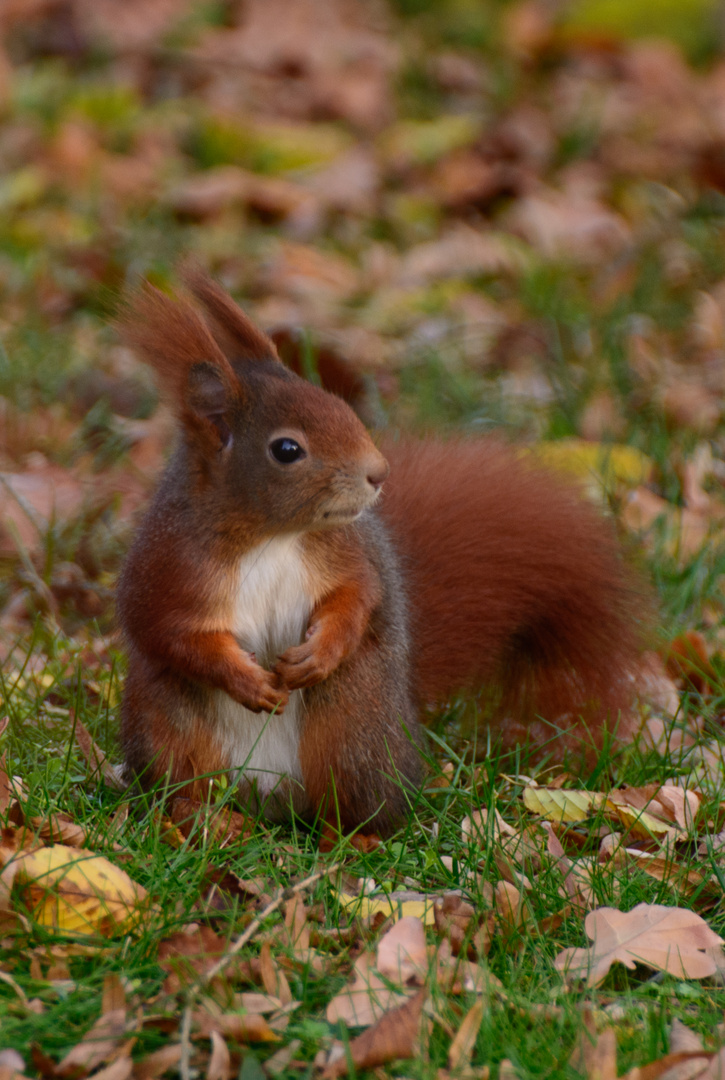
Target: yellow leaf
(390, 906)
(78, 892)
(425, 141)
(641, 824)
(610, 464)
(559, 805)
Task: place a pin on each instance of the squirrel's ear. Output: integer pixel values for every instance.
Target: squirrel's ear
(195, 376)
(233, 331)
(209, 400)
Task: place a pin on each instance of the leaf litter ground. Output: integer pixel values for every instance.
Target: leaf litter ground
(459, 216)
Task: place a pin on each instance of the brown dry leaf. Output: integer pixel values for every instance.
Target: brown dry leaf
(560, 224)
(506, 1071)
(364, 1000)
(59, 828)
(664, 938)
(453, 918)
(580, 899)
(690, 405)
(463, 1045)
(224, 824)
(100, 1045)
(219, 1067)
(686, 530)
(302, 271)
(682, 803)
(120, 1069)
(190, 953)
(687, 1059)
(682, 1065)
(243, 1027)
(96, 759)
(157, 1063)
(402, 954)
(687, 658)
(281, 1060)
(463, 251)
(273, 978)
(595, 1055)
(510, 906)
(295, 920)
(11, 1059)
(395, 1035)
(684, 1038)
(34, 499)
(78, 891)
(679, 875)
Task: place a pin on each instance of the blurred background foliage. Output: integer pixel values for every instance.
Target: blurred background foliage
(460, 214)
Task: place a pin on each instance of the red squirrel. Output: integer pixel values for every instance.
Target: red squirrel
(294, 597)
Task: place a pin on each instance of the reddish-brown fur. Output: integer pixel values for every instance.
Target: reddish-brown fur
(515, 584)
(508, 582)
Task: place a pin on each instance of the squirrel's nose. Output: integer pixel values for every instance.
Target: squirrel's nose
(377, 471)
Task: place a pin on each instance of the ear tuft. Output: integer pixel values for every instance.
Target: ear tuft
(234, 331)
(195, 376)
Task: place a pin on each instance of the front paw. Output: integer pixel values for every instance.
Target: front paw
(307, 664)
(260, 690)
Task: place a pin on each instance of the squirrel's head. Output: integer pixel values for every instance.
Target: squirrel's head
(282, 454)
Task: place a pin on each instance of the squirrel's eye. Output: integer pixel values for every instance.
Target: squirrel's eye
(286, 451)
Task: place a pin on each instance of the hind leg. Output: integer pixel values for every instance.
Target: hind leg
(166, 735)
(360, 752)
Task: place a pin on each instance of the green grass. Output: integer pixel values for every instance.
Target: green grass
(69, 246)
(533, 1021)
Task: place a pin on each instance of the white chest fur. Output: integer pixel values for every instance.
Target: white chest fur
(271, 613)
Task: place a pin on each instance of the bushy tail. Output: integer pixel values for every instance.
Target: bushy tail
(516, 584)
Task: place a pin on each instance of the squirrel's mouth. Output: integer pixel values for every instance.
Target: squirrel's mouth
(345, 514)
(342, 517)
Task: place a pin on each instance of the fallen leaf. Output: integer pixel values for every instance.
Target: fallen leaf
(273, 978)
(100, 1044)
(463, 1045)
(686, 658)
(561, 226)
(12, 1061)
(664, 938)
(560, 805)
(610, 464)
(395, 905)
(96, 759)
(395, 1035)
(243, 1027)
(510, 906)
(281, 1060)
(78, 891)
(365, 999)
(120, 1069)
(157, 1063)
(59, 828)
(219, 1060)
(31, 501)
(402, 953)
(595, 1054)
(187, 956)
